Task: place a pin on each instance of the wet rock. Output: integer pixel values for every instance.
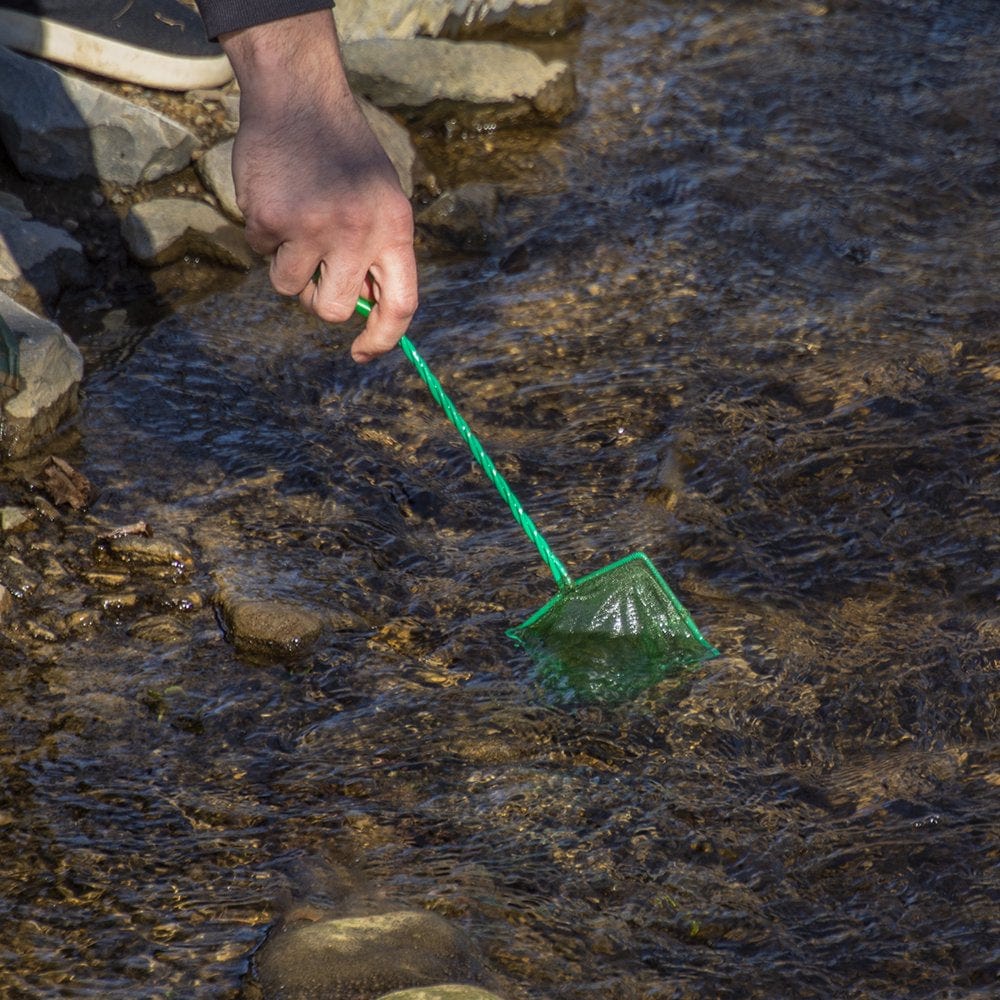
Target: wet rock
(163, 230)
(6, 603)
(396, 142)
(410, 18)
(158, 629)
(146, 551)
(363, 956)
(56, 125)
(446, 991)
(464, 218)
(267, 627)
(433, 81)
(16, 519)
(40, 373)
(37, 260)
(215, 168)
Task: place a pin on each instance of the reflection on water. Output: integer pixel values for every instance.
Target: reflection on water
(752, 331)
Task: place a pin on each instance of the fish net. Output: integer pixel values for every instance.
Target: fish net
(610, 635)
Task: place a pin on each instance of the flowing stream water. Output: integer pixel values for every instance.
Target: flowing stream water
(744, 319)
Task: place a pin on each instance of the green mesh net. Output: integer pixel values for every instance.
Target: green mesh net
(610, 635)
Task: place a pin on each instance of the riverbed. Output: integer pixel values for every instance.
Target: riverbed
(743, 317)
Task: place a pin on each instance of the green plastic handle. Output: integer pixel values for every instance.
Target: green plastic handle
(558, 570)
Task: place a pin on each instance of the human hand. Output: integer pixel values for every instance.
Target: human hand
(317, 191)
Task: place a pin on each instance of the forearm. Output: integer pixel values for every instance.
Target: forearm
(287, 61)
(224, 16)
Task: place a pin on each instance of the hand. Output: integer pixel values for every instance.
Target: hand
(316, 189)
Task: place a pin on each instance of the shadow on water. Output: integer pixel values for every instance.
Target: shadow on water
(750, 332)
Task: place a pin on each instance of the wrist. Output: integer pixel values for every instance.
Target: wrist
(286, 54)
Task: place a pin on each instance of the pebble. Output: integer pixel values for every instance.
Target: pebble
(269, 628)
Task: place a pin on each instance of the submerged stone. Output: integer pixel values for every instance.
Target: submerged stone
(267, 627)
(446, 991)
(349, 957)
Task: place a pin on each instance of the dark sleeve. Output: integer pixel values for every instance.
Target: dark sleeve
(221, 16)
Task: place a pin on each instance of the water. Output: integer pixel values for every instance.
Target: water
(745, 320)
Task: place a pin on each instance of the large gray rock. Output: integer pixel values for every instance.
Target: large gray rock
(350, 957)
(35, 257)
(56, 125)
(41, 386)
(433, 80)
(358, 19)
(163, 230)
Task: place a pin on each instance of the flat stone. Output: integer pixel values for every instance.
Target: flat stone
(412, 18)
(446, 991)
(396, 142)
(57, 125)
(433, 81)
(40, 373)
(146, 550)
(364, 956)
(269, 628)
(163, 230)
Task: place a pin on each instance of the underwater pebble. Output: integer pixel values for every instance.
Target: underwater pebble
(80, 621)
(158, 628)
(105, 579)
(268, 628)
(446, 991)
(116, 602)
(142, 550)
(16, 519)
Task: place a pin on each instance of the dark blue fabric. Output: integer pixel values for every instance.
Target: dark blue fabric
(221, 16)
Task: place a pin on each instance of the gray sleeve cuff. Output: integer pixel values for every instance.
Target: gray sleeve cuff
(221, 16)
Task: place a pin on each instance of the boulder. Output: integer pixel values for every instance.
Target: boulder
(56, 125)
(357, 19)
(40, 373)
(163, 230)
(431, 81)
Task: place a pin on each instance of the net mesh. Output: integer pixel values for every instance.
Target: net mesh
(612, 634)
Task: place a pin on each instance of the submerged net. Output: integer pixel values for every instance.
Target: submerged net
(612, 634)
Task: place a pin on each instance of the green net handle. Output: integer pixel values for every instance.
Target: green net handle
(559, 572)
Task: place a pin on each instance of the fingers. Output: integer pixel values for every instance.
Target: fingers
(395, 294)
(377, 263)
